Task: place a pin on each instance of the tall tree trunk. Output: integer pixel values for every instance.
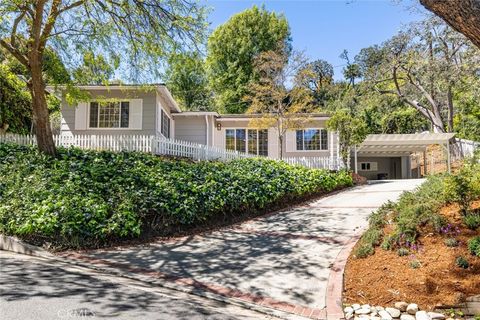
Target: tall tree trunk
(40, 114)
(450, 108)
(461, 15)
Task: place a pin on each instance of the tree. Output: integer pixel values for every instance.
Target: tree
(402, 121)
(352, 70)
(422, 66)
(232, 49)
(138, 31)
(280, 106)
(462, 15)
(186, 78)
(15, 103)
(317, 76)
(351, 130)
(95, 69)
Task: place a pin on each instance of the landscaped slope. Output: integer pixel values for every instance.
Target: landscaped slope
(423, 249)
(88, 198)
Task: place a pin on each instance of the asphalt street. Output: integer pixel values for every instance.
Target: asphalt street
(40, 289)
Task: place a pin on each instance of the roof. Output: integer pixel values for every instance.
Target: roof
(258, 115)
(160, 87)
(197, 113)
(402, 143)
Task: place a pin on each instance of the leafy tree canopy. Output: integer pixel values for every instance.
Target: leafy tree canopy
(186, 78)
(139, 32)
(232, 49)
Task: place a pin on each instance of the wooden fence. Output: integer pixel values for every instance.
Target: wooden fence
(316, 162)
(163, 146)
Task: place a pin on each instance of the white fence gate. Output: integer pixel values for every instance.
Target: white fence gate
(163, 146)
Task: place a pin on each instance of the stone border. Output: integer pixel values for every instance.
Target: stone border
(334, 296)
(8, 243)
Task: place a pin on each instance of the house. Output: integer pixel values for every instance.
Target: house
(151, 110)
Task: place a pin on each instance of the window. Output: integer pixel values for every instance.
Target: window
(253, 140)
(312, 139)
(113, 114)
(165, 125)
(368, 166)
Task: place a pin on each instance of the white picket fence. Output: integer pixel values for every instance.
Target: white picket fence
(163, 146)
(466, 147)
(317, 162)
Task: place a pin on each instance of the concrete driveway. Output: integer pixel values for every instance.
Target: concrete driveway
(281, 262)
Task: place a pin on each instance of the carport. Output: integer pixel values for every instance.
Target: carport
(401, 146)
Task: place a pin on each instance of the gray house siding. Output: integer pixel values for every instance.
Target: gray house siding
(191, 128)
(148, 113)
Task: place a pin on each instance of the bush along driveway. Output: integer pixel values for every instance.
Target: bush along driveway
(279, 263)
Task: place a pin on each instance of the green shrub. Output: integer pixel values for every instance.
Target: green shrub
(472, 220)
(403, 252)
(415, 264)
(462, 262)
(474, 246)
(451, 242)
(464, 186)
(87, 198)
(364, 250)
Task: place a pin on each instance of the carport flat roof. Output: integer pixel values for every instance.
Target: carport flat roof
(401, 143)
(422, 139)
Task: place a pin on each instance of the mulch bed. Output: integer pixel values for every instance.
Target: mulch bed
(385, 277)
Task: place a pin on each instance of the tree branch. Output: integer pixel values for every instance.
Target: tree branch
(15, 52)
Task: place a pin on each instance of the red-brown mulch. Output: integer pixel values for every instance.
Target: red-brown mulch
(385, 277)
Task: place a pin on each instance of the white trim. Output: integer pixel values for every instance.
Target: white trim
(120, 118)
(246, 139)
(309, 151)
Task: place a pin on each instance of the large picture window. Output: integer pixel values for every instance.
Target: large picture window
(165, 127)
(113, 114)
(312, 139)
(252, 140)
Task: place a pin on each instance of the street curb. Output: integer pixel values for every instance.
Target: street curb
(334, 296)
(8, 243)
(185, 289)
(12, 244)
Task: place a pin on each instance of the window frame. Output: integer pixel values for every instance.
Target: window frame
(320, 141)
(162, 114)
(247, 140)
(88, 127)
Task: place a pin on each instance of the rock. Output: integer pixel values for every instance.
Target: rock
(374, 312)
(363, 311)
(379, 308)
(375, 318)
(407, 317)
(366, 306)
(412, 308)
(349, 315)
(384, 315)
(401, 305)
(394, 312)
(348, 310)
(421, 315)
(436, 315)
(355, 306)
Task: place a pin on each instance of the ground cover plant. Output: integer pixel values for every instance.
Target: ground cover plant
(424, 248)
(88, 198)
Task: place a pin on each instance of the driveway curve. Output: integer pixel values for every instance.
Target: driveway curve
(281, 262)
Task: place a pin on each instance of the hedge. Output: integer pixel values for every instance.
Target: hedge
(88, 198)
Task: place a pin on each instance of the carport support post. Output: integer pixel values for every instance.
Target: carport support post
(424, 163)
(355, 154)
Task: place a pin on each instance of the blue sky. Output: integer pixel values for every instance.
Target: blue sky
(324, 28)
